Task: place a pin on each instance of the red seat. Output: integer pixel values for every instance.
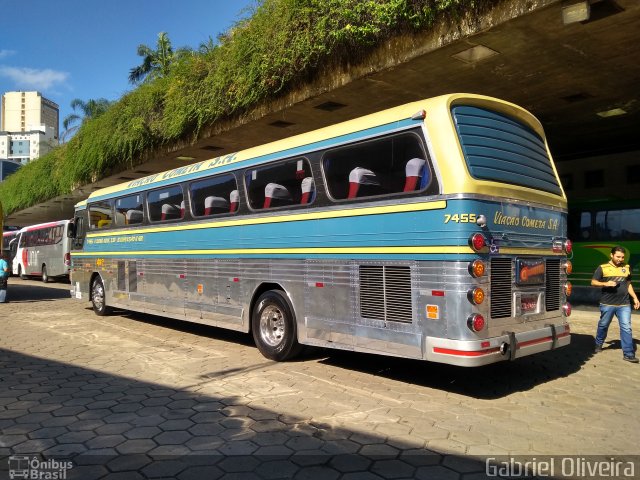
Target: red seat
(414, 170)
(275, 191)
(234, 199)
(169, 212)
(308, 188)
(214, 204)
(360, 176)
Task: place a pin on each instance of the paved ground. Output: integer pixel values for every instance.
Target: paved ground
(136, 396)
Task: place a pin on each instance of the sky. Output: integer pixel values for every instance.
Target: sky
(85, 49)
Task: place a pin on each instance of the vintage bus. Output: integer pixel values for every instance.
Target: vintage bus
(596, 227)
(434, 230)
(42, 250)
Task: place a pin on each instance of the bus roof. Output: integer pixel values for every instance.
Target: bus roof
(44, 225)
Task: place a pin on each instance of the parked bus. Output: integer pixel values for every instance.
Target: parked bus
(435, 230)
(42, 250)
(597, 226)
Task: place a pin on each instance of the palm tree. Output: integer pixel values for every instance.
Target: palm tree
(155, 63)
(89, 109)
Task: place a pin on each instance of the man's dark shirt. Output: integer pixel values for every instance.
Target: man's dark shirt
(618, 295)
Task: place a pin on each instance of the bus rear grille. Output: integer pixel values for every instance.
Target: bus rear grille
(552, 294)
(501, 287)
(385, 293)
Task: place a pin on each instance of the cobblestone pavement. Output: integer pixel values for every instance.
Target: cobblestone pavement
(137, 396)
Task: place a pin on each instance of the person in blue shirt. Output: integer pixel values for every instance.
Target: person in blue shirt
(4, 276)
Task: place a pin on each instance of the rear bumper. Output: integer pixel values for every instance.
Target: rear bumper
(473, 353)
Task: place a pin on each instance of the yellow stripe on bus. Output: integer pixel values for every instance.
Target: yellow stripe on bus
(353, 212)
(263, 251)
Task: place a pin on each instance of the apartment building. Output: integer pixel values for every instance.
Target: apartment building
(29, 126)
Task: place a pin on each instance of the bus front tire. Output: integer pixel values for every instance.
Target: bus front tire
(20, 274)
(98, 299)
(273, 325)
(45, 276)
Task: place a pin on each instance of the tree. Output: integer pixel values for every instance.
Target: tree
(89, 109)
(155, 63)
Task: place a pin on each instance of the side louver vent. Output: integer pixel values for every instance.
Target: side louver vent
(385, 293)
(552, 294)
(501, 287)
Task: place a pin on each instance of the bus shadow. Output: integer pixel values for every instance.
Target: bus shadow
(18, 292)
(488, 382)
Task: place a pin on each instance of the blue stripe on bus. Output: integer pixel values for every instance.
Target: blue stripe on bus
(516, 226)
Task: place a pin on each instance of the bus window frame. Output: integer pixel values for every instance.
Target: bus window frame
(418, 132)
(247, 171)
(192, 203)
(111, 224)
(148, 210)
(143, 200)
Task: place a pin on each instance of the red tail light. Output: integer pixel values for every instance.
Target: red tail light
(477, 241)
(568, 246)
(566, 309)
(475, 322)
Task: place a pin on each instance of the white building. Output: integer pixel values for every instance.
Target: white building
(29, 127)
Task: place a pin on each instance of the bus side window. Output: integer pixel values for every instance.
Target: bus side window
(280, 184)
(165, 204)
(100, 215)
(214, 196)
(384, 166)
(129, 210)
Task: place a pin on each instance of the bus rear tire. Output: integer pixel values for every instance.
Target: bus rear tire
(273, 325)
(45, 276)
(98, 298)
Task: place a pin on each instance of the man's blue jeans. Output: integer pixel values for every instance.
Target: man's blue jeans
(623, 313)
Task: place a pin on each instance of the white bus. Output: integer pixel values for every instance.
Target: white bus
(42, 250)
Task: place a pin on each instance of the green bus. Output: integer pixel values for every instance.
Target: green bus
(595, 227)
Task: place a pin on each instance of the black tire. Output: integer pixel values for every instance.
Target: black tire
(98, 300)
(23, 277)
(45, 276)
(273, 325)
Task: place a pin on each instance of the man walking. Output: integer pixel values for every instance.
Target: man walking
(614, 278)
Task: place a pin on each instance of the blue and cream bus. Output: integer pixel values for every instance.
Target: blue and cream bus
(434, 230)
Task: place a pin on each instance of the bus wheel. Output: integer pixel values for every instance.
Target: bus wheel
(23, 277)
(98, 297)
(274, 327)
(45, 276)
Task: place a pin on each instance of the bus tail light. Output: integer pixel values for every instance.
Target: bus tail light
(568, 288)
(475, 322)
(568, 267)
(477, 268)
(566, 309)
(67, 259)
(477, 241)
(476, 296)
(568, 246)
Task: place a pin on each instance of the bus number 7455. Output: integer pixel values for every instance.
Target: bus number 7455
(460, 218)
